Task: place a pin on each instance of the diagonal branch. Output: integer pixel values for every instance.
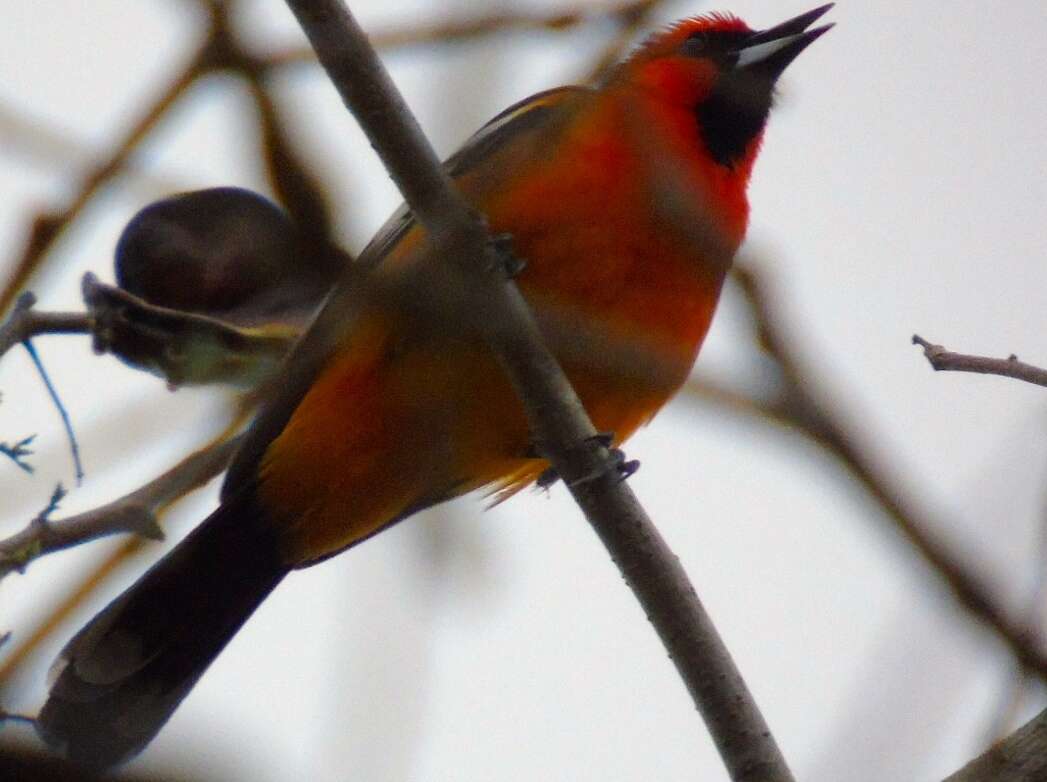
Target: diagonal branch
(497, 22)
(134, 512)
(48, 226)
(797, 406)
(558, 421)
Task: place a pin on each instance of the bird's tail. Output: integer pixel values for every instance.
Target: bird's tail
(120, 678)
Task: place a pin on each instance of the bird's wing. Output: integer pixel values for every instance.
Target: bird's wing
(532, 115)
(527, 116)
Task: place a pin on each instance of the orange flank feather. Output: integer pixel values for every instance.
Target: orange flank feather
(585, 218)
(626, 202)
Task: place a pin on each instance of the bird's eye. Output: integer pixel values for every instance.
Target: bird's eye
(696, 44)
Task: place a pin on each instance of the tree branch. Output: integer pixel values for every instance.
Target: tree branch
(24, 323)
(48, 226)
(484, 24)
(943, 360)
(796, 406)
(134, 512)
(1021, 757)
(559, 424)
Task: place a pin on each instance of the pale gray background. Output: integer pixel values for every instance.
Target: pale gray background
(901, 189)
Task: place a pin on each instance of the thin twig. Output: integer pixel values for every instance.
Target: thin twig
(67, 423)
(631, 18)
(944, 360)
(135, 512)
(110, 564)
(558, 421)
(24, 323)
(797, 407)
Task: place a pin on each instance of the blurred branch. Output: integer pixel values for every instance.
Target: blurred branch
(941, 359)
(490, 23)
(44, 144)
(630, 17)
(557, 419)
(54, 615)
(134, 512)
(220, 49)
(24, 322)
(1014, 696)
(797, 407)
(1021, 757)
(47, 226)
(112, 561)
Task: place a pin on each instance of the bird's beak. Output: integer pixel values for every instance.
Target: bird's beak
(768, 52)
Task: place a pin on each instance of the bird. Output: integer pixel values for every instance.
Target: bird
(626, 203)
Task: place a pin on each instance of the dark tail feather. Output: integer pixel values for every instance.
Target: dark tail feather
(121, 677)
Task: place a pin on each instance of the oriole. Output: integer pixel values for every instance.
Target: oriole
(627, 203)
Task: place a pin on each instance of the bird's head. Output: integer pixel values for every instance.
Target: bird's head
(724, 72)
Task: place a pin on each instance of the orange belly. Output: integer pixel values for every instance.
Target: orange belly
(401, 417)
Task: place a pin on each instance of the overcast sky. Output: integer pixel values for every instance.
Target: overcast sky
(901, 188)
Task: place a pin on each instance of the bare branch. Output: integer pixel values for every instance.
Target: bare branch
(1021, 757)
(631, 18)
(24, 323)
(135, 512)
(796, 406)
(492, 23)
(943, 360)
(67, 422)
(42, 142)
(47, 226)
(557, 419)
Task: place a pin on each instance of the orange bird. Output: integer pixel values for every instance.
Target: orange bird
(627, 202)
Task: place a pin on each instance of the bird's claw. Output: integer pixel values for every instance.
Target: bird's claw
(509, 262)
(623, 468)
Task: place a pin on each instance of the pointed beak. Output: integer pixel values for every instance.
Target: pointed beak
(769, 52)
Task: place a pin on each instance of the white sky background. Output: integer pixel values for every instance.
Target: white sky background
(901, 189)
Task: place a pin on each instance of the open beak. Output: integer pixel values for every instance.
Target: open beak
(768, 52)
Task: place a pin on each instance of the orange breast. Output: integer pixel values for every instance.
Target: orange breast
(403, 416)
